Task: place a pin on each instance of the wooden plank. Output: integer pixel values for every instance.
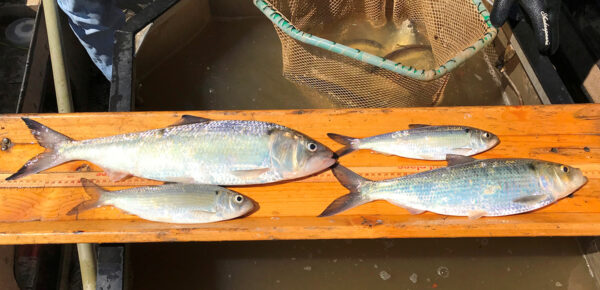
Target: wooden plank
(568, 134)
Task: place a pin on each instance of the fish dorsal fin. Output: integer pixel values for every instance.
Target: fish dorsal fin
(454, 159)
(415, 126)
(189, 119)
(530, 199)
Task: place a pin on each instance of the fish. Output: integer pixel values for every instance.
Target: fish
(364, 44)
(170, 203)
(467, 187)
(422, 142)
(406, 49)
(193, 150)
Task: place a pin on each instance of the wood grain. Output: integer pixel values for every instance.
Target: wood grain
(570, 134)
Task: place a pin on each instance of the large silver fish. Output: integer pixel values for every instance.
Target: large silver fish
(423, 142)
(467, 187)
(195, 150)
(171, 203)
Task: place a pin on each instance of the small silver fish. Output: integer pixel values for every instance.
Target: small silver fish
(467, 187)
(423, 142)
(194, 150)
(170, 203)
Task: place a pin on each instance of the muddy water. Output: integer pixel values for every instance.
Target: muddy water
(236, 63)
(515, 263)
(405, 43)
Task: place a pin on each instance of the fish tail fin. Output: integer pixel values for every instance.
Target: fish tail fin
(48, 139)
(353, 182)
(95, 192)
(351, 143)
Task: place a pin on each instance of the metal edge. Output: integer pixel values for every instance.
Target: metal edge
(122, 95)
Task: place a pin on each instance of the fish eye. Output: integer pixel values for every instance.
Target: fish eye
(312, 147)
(239, 198)
(467, 130)
(564, 169)
(486, 135)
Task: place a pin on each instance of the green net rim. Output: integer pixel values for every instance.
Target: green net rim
(408, 71)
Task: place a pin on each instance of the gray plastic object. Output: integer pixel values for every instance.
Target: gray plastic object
(20, 31)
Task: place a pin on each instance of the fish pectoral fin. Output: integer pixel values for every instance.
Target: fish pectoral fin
(116, 175)
(454, 159)
(475, 214)
(189, 119)
(408, 208)
(530, 199)
(249, 173)
(199, 212)
(415, 126)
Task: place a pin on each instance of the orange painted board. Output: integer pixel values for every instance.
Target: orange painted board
(34, 208)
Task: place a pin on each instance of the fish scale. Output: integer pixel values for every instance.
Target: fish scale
(434, 142)
(196, 150)
(170, 150)
(174, 203)
(423, 142)
(467, 187)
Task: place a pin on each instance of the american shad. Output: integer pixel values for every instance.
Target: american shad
(423, 142)
(467, 187)
(171, 203)
(194, 150)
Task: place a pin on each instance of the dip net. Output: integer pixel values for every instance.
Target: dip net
(377, 53)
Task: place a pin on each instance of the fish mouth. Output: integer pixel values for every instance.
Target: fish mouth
(335, 156)
(330, 161)
(255, 207)
(582, 181)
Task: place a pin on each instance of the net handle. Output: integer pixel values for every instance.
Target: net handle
(408, 71)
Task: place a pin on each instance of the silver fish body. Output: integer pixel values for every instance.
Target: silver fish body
(171, 203)
(492, 187)
(229, 152)
(423, 142)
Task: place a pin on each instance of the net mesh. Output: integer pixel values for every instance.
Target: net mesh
(447, 26)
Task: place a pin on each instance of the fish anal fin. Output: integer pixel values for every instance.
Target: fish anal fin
(249, 173)
(189, 119)
(173, 180)
(115, 176)
(415, 126)
(475, 214)
(454, 159)
(465, 151)
(410, 210)
(530, 199)
(426, 157)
